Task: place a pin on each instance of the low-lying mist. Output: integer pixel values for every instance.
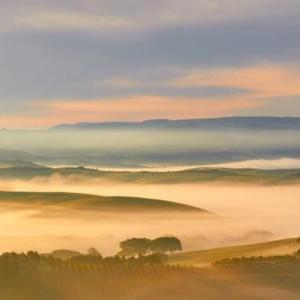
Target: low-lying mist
(136, 148)
(245, 214)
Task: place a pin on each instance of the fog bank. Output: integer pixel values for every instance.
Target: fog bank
(273, 209)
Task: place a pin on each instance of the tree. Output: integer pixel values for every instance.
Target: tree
(134, 247)
(94, 252)
(166, 244)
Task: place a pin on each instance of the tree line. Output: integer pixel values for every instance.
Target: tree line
(33, 276)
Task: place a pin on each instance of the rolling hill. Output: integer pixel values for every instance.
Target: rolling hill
(96, 203)
(17, 163)
(196, 175)
(206, 257)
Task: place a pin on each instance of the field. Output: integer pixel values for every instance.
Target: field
(206, 257)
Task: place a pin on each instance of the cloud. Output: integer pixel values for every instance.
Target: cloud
(66, 64)
(209, 51)
(72, 20)
(120, 82)
(135, 108)
(103, 15)
(145, 107)
(259, 87)
(263, 81)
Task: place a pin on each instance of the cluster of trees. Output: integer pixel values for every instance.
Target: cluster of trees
(144, 246)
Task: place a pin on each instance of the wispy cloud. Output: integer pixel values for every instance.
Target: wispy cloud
(264, 81)
(135, 108)
(120, 82)
(139, 14)
(263, 85)
(147, 59)
(72, 20)
(145, 107)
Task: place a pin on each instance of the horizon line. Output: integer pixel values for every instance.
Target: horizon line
(4, 128)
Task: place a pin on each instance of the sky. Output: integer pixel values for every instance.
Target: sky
(69, 61)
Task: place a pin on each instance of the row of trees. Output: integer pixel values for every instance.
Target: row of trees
(144, 246)
(32, 276)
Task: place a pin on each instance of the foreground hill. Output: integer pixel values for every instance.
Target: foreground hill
(205, 257)
(96, 203)
(196, 175)
(34, 277)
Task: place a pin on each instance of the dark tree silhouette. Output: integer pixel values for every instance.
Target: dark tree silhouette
(166, 244)
(135, 247)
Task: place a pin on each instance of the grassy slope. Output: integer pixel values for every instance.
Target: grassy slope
(280, 247)
(84, 201)
(191, 175)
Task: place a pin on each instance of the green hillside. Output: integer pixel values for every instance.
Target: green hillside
(97, 203)
(205, 257)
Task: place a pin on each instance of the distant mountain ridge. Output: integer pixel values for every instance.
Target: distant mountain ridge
(255, 123)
